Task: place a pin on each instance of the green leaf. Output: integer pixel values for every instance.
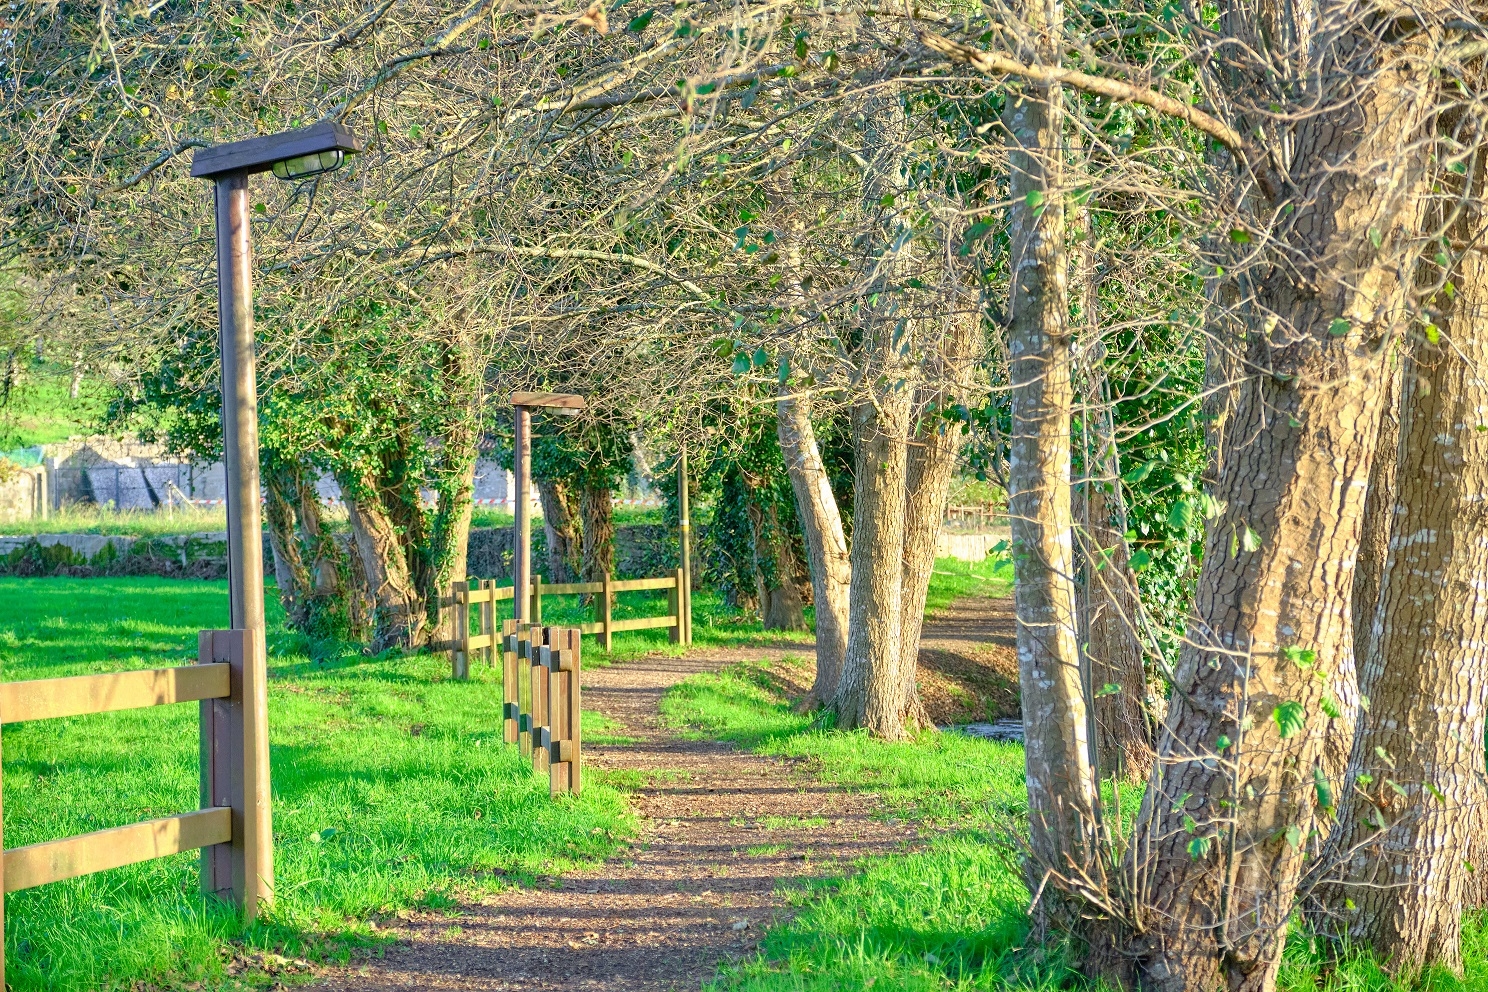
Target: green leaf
(1299, 656)
(1222, 742)
(761, 358)
(1140, 560)
(1289, 718)
(1323, 788)
(801, 47)
(1251, 541)
(1240, 237)
(1190, 824)
(1330, 706)
(1109, 689)
(1234, 545)
(260, 208)
(1374, 237)
(1141, 472)
(1182, 514)
(741, 364)
(1198, 847)
(1294, 836)
(887, 200)
(639, 22)
(1431, 788)
(1034, 199)
(1433, 333)
(1458, 167)
(1339, 327)
(1395, 787)
(784, 373)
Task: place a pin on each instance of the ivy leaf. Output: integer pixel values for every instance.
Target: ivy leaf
(761, 357)
(1109, 689)
(1198, 847)
(741, 364)
(974, 233)
(1299, 656)
(1289, 718)
(1330, 706)
(639, 22)
(1251, 541)
(1339, 327)
(1139, 560)
(1433, 333)
(1141, 472)
(801, 47)
(1034, 199)
(1222, 742)
(784, 373)
(1240, 237)
(1374, 237)
(1323, 788)
(1294, 836)
(1182, 514)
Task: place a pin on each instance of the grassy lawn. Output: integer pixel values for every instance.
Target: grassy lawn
(391, 788)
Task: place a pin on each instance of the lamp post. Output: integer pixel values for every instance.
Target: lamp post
(289, 155)
(564, 404)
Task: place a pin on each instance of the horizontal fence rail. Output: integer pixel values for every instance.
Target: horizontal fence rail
(473, 603)
(232, 828)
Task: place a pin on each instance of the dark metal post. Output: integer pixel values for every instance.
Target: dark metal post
(239, 406)
(522, 556)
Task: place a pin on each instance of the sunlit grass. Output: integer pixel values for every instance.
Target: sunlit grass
(391, 787)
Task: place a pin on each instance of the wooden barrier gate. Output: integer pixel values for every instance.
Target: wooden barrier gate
(541, 696)
(232, 828)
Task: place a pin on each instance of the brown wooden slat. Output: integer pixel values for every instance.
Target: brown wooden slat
(46, 699)
(642, 623)
(631, 585)
(478, 641)
(571, 588)
(590, 628)
(54, 860)
(566, 400)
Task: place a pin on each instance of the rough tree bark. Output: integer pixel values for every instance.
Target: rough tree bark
(871, 691)
(1405, 857)
(561, 527)
(930, 465)
(449, 537)
(282, 500)
(1057, 757)
(826, 544)
(1268, 657)
(781, 605)
(397, 619)
(597, 508)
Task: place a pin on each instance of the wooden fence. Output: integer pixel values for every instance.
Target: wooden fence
(482, 595)
(232, 827)
(978, 517)
(541, 695)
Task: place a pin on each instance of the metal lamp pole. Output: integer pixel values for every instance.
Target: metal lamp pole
(566, 404)
(290, 155)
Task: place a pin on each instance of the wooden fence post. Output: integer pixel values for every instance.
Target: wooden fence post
(523, 680)
(674, 604)
(538, 668)
(235, 772)
(605, 616)
(460, 624)
(511, 706)
(572, 654)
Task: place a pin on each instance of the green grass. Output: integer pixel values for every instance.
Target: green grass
(391, 788)
(82, 518)
(41, 412)
(954, 579)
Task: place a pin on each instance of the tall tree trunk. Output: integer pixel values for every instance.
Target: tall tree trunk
(1406, 856)
(332, 606)
(1379, 513)
(775, 564)
(1266, 675)
(871, 691)
(282, 491)
(598, 510)
(397, 619)
(561, 528)
(826, 544)
(1057, 754)
(449, 537)
(930, 465)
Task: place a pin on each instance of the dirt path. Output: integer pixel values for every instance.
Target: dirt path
(721, 831)
(722, 834)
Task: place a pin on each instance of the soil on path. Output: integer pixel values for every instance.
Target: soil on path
(724, 834)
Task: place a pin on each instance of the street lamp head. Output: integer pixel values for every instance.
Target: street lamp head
(308, 151)
(314, 164)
